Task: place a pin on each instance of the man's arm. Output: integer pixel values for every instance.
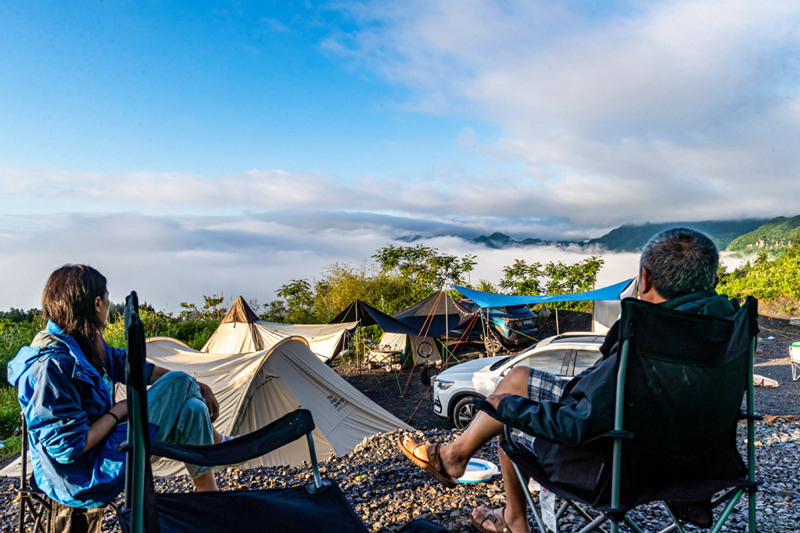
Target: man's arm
(584, 412)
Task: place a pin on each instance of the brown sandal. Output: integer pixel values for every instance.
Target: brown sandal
(433, 465)
(497, 519)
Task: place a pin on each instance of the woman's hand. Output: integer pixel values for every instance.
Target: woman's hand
(211, 400)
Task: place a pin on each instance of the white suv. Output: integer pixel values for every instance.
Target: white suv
(565, 355)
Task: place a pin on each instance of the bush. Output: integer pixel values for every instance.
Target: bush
(764, 278)
(13, 336)
(9, 412)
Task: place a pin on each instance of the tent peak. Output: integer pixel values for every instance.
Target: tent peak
(240, 312)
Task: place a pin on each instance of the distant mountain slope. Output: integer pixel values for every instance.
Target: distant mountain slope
(630, 238)
(499, 240)
(777, 233)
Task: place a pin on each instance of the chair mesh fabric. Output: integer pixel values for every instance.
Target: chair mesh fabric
(685, 380)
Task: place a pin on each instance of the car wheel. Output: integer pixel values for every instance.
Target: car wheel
(464, 412)
(492, 343)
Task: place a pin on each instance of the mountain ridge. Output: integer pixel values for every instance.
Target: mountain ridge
(633, 237)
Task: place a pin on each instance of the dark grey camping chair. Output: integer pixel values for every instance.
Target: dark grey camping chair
(318, 506)
(681, 379)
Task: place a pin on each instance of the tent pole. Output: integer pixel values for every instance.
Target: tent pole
(557, 330)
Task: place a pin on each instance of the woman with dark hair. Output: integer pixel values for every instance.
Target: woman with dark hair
(65, 386)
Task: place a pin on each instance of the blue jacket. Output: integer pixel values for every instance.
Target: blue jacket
(61, 394)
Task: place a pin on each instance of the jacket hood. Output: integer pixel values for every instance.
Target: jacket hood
(704, 303)
(45, 341)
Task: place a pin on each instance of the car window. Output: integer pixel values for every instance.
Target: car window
(585, 358)
(519, 310)
(548, 360)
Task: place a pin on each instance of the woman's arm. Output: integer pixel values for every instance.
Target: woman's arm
(101, 427)
(157, 373)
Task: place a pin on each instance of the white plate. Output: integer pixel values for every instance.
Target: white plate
(479, 470)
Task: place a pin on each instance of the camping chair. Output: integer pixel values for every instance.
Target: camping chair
(320, 505)
(680, 382)
(31, 500)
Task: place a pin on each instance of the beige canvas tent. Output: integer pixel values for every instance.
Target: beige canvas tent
(241, 331)
(254, 389)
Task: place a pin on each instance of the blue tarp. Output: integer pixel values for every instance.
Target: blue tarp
(488, 299)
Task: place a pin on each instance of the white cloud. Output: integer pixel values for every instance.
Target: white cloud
(655, 111)
(169, 260)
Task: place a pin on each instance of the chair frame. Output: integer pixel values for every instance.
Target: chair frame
(139, 499)
(733, 495)
(30, 497)
(794, 361)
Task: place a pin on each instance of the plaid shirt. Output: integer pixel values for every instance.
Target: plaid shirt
(542, 386)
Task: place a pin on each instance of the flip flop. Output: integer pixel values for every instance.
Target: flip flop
(497, 519)
(433, 465)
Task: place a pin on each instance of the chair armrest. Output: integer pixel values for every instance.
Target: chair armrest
(487, 408)
(286, 429)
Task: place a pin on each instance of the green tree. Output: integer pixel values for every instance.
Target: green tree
(536, 278)
(299, 301)
(426, 268)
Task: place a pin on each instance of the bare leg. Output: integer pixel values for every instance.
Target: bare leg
(456, 454)
(217, 436)
(205, 482)
(516, 514)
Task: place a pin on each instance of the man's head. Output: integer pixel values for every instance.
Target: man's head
(676, 262)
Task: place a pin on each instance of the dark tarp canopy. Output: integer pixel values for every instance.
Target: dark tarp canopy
(368, 315)
(435, 315)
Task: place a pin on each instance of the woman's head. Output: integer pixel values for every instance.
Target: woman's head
(76, 298)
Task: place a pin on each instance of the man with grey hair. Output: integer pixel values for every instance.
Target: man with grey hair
(678, 269)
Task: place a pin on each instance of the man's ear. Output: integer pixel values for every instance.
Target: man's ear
(645, 283)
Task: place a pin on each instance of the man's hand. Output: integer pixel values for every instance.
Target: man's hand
(495, 399)
(211, 400)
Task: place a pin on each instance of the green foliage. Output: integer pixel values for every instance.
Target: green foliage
(522, 278)
(12, 447)
(194, 332)
(9, 412)
(424, 267)
(298, 296)
(764, 278)
(212, 308)
(777, 234)
(13, 336)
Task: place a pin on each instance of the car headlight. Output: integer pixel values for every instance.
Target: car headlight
(443, 384)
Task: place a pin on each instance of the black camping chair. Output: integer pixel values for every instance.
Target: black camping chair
(320, 505)
(31, 500)
(680, 382)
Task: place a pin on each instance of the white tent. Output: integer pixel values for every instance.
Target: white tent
(242, 332)
(256, 388)
(253, 389)
(606, 312)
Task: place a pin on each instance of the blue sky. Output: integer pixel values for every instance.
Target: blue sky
(186, 148)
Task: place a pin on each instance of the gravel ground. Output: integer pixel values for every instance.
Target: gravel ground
(387, 491)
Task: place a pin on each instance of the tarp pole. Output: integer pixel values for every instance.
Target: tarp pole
(557, 331)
